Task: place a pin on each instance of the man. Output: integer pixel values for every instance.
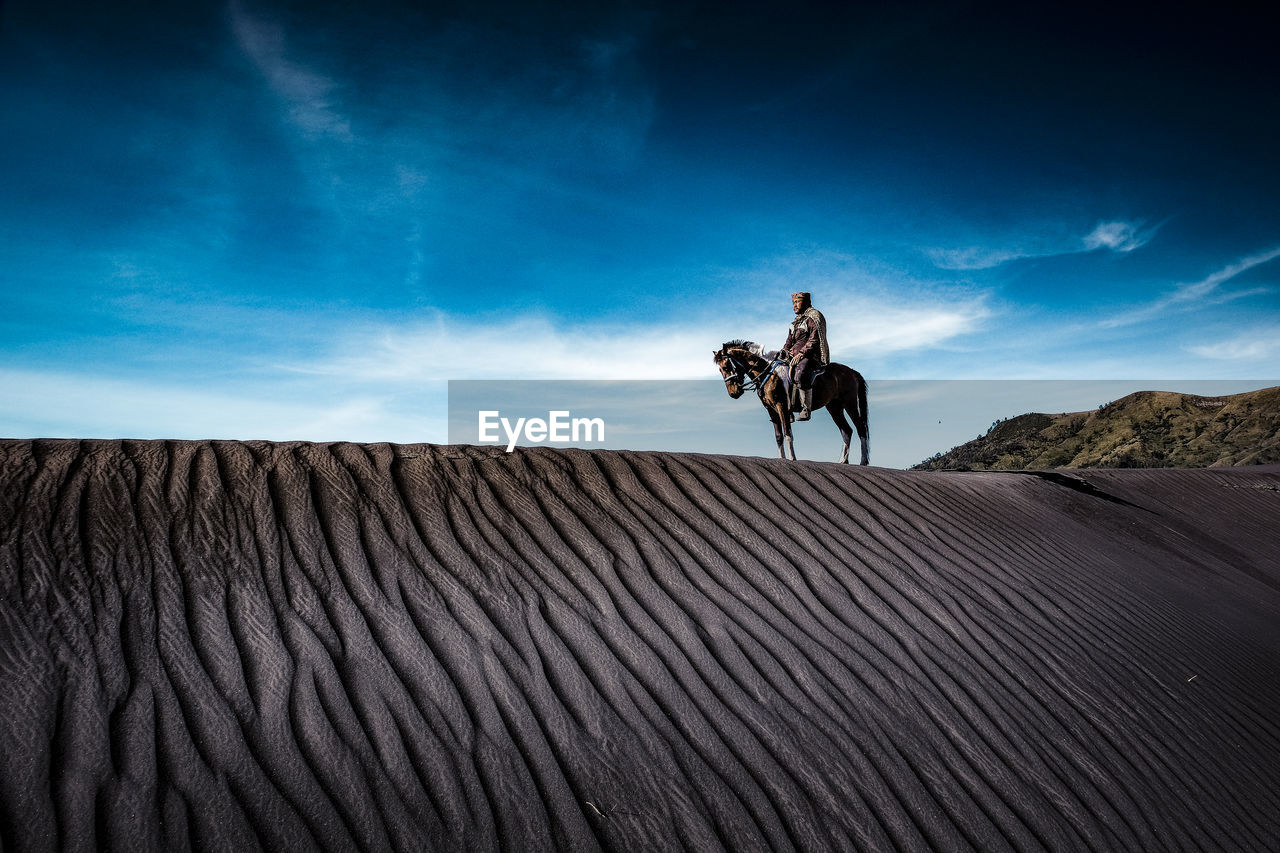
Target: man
(806, 348)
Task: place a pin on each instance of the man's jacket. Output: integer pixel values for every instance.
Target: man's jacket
(807, 336)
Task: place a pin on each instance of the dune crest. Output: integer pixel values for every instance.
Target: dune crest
(298, 646)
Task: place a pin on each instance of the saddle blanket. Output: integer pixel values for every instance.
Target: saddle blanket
(781, 370)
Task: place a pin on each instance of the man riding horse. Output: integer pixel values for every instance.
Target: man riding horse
(806, 349)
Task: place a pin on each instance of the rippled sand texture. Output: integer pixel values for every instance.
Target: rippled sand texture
(226, 645)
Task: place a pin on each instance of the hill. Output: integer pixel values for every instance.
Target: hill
(1149, 429)
(235, 646)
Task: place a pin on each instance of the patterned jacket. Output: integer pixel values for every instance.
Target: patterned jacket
(807, 336)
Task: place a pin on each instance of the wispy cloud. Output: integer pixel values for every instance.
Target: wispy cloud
(1114, 236)
(1197, 294)
(308, 96)
(530, 346)
(1252, 345)
(975, 257)
(88, 405)
(1117, 236)
(871, 325)
(872, 309)
(538, 346)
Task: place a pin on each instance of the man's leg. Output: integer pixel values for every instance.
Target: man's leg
(805, 392)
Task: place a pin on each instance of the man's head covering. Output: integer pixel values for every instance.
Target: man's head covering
(805, 300)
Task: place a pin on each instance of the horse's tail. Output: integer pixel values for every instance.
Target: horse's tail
(862, 405)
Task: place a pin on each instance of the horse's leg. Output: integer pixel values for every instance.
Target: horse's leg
(846, 431)
(777, 431)
(780, 410)
(866, 446)
(784, 415)
(859, 415)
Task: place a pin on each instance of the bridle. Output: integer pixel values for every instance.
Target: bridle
(746, 381)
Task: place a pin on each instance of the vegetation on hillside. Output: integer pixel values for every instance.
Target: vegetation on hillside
(1149, 429)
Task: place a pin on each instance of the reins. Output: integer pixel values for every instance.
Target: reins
(746, 380)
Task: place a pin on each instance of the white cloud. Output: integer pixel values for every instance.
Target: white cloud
(872, 325)
(1117, 236)
(862, 322)
(515, 348)
(365, 380)
(975, 257)
(1253, 345)
(82, 405)
(1196, 294)
(1200, 289)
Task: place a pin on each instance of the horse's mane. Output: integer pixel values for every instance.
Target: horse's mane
(736, 342)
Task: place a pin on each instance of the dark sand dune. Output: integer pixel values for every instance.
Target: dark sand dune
(230, 645)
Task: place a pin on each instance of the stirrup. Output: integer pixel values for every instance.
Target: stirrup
(804, 415)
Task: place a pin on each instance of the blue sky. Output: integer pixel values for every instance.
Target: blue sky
(297, 220)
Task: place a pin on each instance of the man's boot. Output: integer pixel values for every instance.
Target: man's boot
(806, 401)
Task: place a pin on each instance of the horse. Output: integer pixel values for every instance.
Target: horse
(839, 389)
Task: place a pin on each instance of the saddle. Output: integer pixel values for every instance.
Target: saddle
(813, 376)
(780, 367)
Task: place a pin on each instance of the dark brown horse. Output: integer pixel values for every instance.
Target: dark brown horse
(838, 388)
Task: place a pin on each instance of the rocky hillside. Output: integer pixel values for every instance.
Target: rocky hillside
(1149, 429)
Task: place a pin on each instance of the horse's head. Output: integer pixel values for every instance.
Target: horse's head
(729, 358)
